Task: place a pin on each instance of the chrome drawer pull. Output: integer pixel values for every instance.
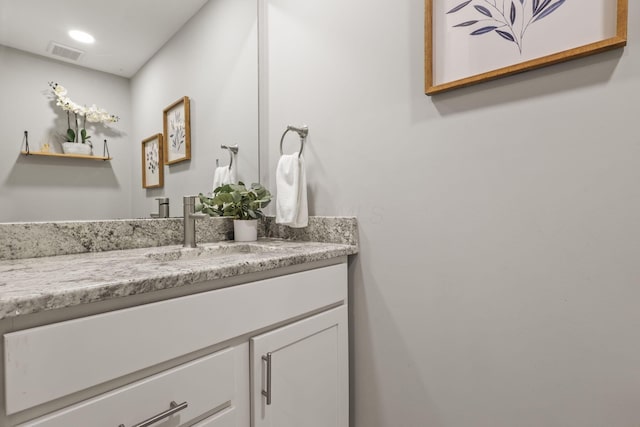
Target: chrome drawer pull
(173, 408)
(267, 393)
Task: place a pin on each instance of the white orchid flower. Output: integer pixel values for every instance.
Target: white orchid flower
(77, 109)
(60, 91)
(91, 114)
(65, 103)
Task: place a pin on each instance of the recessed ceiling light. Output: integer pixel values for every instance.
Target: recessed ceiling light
(81, 36)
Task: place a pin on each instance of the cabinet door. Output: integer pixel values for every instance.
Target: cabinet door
(303, 369)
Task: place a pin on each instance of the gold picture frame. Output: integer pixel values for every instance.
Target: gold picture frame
(152, 162)
(176, 120)
(455, 57)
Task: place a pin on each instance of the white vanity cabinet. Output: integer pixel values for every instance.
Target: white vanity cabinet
(196, 359)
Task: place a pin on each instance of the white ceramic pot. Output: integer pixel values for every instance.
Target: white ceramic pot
(245, 230)
(76, 148)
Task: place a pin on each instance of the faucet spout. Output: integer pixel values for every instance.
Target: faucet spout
(190, 217)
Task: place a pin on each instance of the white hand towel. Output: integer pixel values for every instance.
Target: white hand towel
(220, 177)
(291, 192)
(233, 173)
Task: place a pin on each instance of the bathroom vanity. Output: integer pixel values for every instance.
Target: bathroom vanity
(224, 335)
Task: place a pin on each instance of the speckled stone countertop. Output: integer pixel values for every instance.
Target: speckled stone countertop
(95, 271)
(33, 285)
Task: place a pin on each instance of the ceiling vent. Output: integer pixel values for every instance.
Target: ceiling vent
(65, 52)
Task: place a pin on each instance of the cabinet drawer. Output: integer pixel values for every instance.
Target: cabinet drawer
(49, 362)
(205, 384)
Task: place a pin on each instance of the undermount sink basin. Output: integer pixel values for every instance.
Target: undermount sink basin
(205, 252)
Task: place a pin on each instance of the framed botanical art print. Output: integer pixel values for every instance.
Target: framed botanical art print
(472, 41)
(177, 131)
(152, 164)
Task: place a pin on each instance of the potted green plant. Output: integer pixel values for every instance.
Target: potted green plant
(242, 204)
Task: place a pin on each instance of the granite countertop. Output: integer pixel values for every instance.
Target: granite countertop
(33, 285)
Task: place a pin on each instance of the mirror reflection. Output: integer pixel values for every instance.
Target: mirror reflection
(147, 55)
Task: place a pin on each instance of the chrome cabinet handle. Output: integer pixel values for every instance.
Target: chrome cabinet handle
(267, 393)
(173, 408)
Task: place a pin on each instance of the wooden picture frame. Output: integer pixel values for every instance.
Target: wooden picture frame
(473, 41)
(152, 162)
(176, 121)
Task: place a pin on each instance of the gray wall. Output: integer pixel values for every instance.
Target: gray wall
(38, 188)
(497, 283)
(214, 61)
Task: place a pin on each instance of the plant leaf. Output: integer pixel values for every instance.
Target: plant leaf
(263, 202)
(223, 198)
(483, 10)
(460, 6)
(483, 30)
(549, 10)
(541, 7)
(513, 13)
(465, 24)
(534, 6)
(505, 35)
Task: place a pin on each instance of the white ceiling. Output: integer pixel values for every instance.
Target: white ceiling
(127, 32)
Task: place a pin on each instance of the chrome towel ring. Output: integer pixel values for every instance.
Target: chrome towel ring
(233, 149)
(302, 132)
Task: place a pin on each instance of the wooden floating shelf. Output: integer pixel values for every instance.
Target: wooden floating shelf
(71, 156)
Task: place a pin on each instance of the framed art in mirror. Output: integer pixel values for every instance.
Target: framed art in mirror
(177, 131)
(473, 41)
(152, 162)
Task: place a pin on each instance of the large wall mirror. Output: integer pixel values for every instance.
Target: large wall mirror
(147, 54)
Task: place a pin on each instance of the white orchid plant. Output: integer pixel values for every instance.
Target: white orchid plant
(81, 113)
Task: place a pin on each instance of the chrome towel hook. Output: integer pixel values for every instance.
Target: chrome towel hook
(233, 149)
(302, 132)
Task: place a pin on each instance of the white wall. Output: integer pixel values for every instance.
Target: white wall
(497, 283)
(214, 61)
(37, 188)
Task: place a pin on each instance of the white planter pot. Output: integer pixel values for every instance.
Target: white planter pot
(245, 230)
(76, 148)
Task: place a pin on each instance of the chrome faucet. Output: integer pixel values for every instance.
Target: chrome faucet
(190, 217)
(163, 208)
